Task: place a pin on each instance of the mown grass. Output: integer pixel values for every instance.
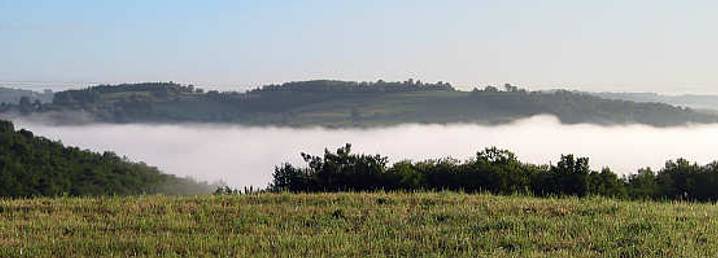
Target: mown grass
(355, 224)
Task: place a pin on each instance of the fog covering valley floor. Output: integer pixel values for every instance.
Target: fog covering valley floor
(355, 224)
(243, 156)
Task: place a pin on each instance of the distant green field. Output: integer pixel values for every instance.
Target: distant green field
(355, 224)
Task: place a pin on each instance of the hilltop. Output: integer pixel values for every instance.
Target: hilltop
(348, 104)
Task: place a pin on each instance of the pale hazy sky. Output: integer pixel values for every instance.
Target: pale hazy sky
(664, 46)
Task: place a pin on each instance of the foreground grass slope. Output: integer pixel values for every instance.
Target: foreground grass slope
(355, 224)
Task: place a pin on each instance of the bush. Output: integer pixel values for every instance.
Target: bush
(497, 171)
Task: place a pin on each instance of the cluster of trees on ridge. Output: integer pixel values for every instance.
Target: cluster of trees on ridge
(496, 171)
(35, 166)
(344, 104)
(23, 101)
(13, 96)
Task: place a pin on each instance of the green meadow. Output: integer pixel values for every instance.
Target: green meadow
(443, 224)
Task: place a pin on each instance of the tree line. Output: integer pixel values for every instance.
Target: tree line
(494, 171)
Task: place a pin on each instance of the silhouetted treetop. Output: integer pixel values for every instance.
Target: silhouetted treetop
(496, 171)
(325, 86)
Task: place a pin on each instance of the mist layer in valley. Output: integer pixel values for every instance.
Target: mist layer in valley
(244, 156)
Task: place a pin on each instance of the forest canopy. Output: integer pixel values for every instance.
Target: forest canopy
(35, 166)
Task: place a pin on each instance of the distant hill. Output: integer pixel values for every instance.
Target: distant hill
(347, 104)
(13, 96)
(36, 166)
(692, 101)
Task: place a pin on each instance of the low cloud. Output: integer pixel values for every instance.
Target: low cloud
(243, 156)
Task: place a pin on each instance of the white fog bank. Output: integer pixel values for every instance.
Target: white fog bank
(242, 156)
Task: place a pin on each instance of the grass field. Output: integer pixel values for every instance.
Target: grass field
(355, 224)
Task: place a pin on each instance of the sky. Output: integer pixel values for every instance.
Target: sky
(660, 46)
